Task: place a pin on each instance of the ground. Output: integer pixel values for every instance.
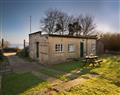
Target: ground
(71, 78)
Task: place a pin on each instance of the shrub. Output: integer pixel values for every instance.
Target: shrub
(111, 41)
(24, 52)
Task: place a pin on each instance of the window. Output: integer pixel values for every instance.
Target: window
(59, 47)
(71, 47)
(92, 47)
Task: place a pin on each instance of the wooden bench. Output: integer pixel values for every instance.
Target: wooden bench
(92, 60)
(98, 61)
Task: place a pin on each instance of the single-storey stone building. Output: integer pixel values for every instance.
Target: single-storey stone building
(52, 49)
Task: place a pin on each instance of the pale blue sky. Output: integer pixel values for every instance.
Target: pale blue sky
(15, 14)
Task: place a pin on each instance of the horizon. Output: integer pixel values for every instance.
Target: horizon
(14, 15)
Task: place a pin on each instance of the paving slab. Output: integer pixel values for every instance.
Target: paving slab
(62, 87)
(69, 84)
(51, 80)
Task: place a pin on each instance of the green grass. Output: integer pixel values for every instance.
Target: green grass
(54, 73)
(59, 70)
(21, 84)
(95, 86)
(1, 60)
(110, 69)
(36, 89)
(68, 67)
(107, 83)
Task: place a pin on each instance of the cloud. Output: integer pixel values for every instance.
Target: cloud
(104, 28)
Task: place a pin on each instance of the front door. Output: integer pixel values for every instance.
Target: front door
(81, 49)
(37, 49)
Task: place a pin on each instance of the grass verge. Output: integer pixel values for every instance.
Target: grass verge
(22, 84)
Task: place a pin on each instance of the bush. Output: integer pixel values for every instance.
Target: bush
(24, 52)
(111, 41)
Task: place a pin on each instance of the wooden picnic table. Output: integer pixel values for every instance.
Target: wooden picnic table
(92, 60)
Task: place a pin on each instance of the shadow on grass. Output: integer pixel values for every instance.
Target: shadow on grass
(68, 71)
(82, 71)
(59, 70)
(16, 84)
(117, 84)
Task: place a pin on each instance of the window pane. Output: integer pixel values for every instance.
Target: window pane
(93, 46)
(71, 47)
(59, 47)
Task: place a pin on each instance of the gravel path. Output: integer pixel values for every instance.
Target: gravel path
(20, 65)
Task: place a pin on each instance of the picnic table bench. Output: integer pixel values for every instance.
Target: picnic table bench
(92, 60)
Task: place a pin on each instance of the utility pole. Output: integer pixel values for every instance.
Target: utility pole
(1, 33)
(2, 44)
(1, 30)
(30, 23)
(24, 44)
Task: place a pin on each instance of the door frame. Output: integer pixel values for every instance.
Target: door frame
(81, 49)
(37, 50)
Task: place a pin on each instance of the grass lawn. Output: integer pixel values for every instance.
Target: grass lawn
(94, 86)
(110, 69)
(22, 84)
(60, 70)
(69, 66)
(107, 82)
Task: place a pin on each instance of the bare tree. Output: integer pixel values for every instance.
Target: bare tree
(82, 25)
(87, 24)
(55, 21)
(62, 22)
(59, 22)
(74, 28)
(50, 21)
(71, 29)
(77, 28)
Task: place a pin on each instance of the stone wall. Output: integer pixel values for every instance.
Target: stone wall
(48, 54)
(43, 47)
(58, 57)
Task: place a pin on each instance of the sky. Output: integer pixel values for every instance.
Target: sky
(15, 15)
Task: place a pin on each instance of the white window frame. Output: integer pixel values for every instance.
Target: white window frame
(59, 47)
(71, 48)
(93, 47)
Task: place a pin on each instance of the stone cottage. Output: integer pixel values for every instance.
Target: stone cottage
(52, 49)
